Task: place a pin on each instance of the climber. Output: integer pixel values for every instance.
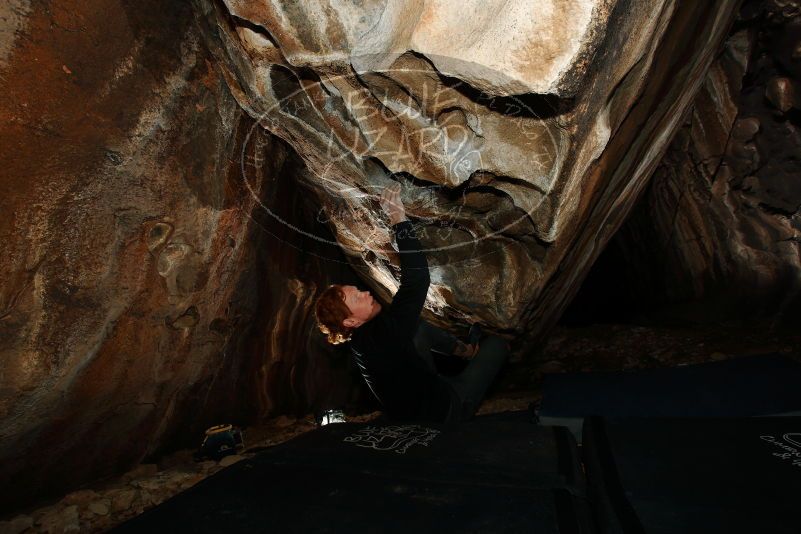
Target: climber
(392, 345)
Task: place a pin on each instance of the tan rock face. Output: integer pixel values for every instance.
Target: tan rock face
(132, 270)
(118, 222)
(499, 46)
(522, 131)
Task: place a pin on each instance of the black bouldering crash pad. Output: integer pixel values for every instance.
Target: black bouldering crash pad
(739, 387)
(698, 475)
(487, 475)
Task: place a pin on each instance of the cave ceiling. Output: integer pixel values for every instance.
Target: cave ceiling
(522, 132)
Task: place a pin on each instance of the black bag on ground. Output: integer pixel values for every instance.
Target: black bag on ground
(220, 441)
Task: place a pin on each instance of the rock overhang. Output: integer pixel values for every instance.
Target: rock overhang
(500, 47)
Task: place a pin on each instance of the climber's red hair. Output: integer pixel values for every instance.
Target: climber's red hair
(330, 310)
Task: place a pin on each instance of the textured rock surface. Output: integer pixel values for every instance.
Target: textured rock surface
(719, 228)
(122, 238)
(150, 288)
(499, 46)
(138, 304)
(522, 191)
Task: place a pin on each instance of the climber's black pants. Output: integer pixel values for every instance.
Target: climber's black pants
(469, 386)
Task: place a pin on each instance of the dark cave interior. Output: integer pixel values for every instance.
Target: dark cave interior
(150, 292)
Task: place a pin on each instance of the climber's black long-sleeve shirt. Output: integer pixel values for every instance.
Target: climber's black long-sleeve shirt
(384, 348)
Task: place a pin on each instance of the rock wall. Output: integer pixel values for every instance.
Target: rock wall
(138, 304)
(291, 369)
(161, 254)
(716, 236)
(523, 131)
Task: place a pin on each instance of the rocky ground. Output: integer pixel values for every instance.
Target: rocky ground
(597, 347)
(625, 346)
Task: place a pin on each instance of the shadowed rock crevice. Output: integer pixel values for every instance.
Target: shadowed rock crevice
(714, 237)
